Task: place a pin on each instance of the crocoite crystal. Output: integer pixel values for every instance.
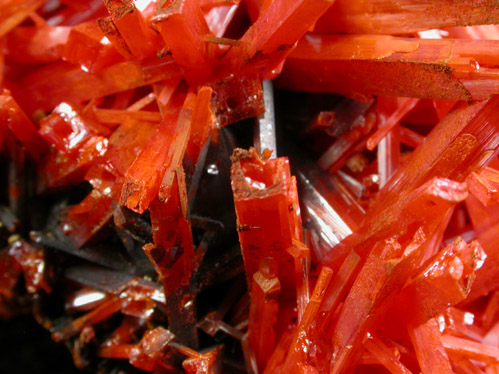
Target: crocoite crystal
(258, 186)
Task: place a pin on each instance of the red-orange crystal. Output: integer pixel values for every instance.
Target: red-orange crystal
(258, 186)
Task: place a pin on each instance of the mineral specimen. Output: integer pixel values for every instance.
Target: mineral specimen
(258, 186)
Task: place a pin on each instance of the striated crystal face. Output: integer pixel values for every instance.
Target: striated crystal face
(258, 186)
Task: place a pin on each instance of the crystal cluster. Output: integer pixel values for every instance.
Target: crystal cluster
(257, 186)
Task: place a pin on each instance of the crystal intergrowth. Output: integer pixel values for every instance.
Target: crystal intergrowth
(144, 223)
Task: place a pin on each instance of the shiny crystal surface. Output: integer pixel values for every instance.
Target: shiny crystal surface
(258, 186)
